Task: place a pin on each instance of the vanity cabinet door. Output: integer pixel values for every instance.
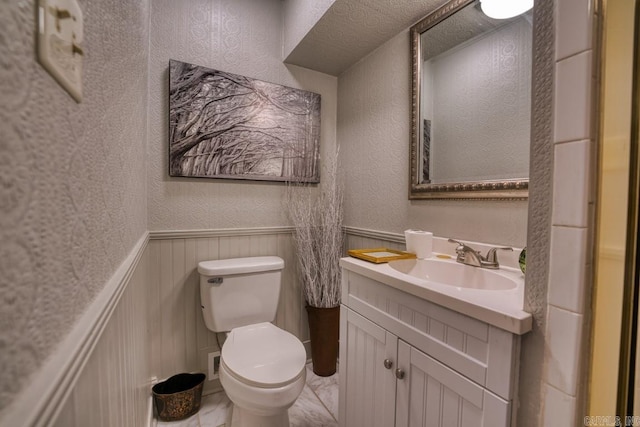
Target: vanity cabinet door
(431, 394)
(367, 372)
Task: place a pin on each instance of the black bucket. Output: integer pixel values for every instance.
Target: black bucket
(178, 397)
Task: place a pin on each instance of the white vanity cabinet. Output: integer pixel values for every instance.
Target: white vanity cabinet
(405, 361)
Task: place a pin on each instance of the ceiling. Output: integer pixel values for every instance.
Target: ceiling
(465, 25)
(351, 29)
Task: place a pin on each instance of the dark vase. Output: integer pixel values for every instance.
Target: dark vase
(324, 333)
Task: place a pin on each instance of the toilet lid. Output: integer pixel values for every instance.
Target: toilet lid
(264, 355)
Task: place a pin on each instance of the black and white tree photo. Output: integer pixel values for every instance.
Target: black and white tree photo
(223, 125)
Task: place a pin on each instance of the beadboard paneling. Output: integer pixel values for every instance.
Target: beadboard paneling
(99, 375)
(354, 241)
(157, 330)
(180, 340)
(133, 322)
(114, 386)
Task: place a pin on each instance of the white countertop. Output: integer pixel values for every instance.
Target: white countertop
(500, 308)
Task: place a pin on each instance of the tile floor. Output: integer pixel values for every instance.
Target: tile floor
(317, 406)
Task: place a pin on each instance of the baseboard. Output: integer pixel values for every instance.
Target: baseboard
(42, 399)
(151, 421)
(307, 349)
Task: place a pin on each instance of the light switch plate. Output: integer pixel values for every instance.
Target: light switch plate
(60, 49)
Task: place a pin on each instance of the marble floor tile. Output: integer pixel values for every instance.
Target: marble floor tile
(192, 421)
(215, 410)
(308, 411)
(326, 388)
(317, 406)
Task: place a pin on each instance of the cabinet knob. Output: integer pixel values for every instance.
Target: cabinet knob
(388, 363)
(399, 374)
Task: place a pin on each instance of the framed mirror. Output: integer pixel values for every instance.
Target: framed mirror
(471, 104)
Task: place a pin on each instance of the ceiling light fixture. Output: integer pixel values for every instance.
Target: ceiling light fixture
(503, 9)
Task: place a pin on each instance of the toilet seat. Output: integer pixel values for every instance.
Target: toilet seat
(263, 355)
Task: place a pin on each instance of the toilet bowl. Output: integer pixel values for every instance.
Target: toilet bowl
(262, 367)
(262, 370)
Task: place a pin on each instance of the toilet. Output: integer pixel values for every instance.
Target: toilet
(262, 367)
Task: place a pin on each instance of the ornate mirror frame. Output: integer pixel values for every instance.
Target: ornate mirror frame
(508, 189)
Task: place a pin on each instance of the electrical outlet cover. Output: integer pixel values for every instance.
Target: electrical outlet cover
(60, 51)
(213, 364)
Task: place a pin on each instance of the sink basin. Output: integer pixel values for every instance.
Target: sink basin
(448, 272)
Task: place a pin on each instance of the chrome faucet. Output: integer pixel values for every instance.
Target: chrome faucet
(469, 256)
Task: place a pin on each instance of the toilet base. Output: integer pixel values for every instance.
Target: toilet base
(260, 407)
(243, 418)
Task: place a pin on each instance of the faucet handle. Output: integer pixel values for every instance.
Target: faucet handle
(492, 256)
(459, 249)
(467, 255)
(462, 247)
(456, 242)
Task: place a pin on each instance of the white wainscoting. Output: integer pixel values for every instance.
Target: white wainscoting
(181, 341)
(114, 386)
(146, 324)
(99, 374)
(360, 238)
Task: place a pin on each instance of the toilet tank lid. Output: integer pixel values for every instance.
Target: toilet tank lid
(225, 267)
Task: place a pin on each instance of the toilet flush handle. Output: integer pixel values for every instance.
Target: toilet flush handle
(215, 280)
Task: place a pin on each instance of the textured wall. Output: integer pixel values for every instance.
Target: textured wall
(374, 129)
(482, 107)
(533, 344)
(72, 177)
(242, 37)
(299, 18)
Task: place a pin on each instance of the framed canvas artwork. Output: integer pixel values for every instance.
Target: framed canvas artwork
(223, 125)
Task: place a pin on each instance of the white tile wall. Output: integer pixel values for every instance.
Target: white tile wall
(560, 409)
(574, 27)
(564, 336)
(572, 100)
(569, 249)
(572, 212)
(571, 184)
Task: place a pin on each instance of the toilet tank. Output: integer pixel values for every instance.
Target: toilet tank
(239, 291)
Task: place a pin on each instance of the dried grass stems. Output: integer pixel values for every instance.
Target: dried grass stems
(318, 237)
